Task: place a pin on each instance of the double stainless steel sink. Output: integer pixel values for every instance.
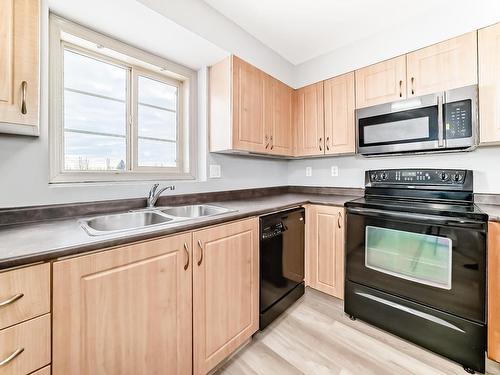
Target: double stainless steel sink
(148, 218)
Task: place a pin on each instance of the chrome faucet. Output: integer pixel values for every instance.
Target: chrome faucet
(154, 194)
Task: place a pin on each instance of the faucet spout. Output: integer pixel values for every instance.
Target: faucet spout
(154, 194)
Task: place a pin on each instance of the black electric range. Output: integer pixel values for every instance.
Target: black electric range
(416, 260)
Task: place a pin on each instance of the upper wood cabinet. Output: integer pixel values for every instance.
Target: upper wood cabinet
(325, 249)
(489, 84)
(248, 109)
(493, 287)
(308, 120)
(381, 83)
(19, 66)
(443, 66)
(125, 310)
(279, 120)
(225, 291)
(340, 135)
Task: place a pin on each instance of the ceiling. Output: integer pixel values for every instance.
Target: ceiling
(300, 30)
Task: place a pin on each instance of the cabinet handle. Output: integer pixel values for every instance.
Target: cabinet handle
(321, 144)
(327, 143)
(12, 299)
(201, 253)
(401, 88)
(24, 88)
(11, 357)
(412, 86)
(267, 141)
(338, 220)
(272, 143)
(186, 249)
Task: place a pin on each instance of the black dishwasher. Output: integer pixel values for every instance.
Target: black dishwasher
(281, 262)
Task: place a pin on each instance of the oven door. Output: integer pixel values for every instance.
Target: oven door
(433, 260)
(410, 125)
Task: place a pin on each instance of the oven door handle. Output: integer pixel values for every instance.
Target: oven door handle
(442, 220)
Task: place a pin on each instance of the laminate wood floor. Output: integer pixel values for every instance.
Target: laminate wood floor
(314, 337)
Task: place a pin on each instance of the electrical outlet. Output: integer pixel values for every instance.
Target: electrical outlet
(215, 171)
(309, 171)
(335, 171)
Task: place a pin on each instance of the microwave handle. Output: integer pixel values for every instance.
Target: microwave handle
(440, 106)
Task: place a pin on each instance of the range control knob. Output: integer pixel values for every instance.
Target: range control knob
(457, 177)
(383, 175)
(444, 176)
(374, 177)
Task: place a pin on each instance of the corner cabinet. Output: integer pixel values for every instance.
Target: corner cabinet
(308, 119)
(340, 134)
(489, 84)
(19, 66)
(225, 291)
(124, 310)
(325, 249)
(249, 111)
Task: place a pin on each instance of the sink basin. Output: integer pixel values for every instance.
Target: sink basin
(194, 211)
(108, 224)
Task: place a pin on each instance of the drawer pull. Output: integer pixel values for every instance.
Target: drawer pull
(11, 357)
(12, 299)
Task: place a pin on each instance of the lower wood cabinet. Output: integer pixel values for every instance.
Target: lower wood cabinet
(325, 249)
(493, 295)
(225, 291)
(124, 311)
(132, 310)
(25, 347)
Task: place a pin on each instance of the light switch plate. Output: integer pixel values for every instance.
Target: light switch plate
(335, 171)
(309, 171)
(215, 171)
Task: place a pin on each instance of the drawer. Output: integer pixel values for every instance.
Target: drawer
(24, 294)
(33, 338)
(42, 371)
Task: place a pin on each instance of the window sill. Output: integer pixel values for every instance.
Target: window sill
(96, 177)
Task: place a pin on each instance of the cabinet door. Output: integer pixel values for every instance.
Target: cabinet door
(443, 66)
(493, 287)
(248, 107)
(225, 291)
(325, 249)
(309, 120)
(124, 311)
(489, 83)
(281, 131)
(383, 82)
(19, 65)
(339, 115)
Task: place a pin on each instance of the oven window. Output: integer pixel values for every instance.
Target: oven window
(403, 130)
(421, 258)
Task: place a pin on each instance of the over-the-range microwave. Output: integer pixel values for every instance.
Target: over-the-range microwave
(443, 121)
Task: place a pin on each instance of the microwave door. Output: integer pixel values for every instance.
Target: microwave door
(411, 125)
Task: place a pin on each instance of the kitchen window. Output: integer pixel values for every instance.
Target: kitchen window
(117, 113)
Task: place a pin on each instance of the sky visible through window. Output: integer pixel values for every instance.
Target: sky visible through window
(95, 117)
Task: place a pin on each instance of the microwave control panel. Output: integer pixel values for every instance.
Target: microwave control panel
(417, 177)
(458, 119)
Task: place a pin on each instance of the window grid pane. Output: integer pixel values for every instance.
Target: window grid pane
(95, 113)
(156, 124)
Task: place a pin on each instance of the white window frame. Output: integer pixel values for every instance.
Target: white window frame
(65, 34)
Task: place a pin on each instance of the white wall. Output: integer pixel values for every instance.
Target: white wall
(483, 161)
(24, 162)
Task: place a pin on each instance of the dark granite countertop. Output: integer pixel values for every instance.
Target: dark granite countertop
(22, 244)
